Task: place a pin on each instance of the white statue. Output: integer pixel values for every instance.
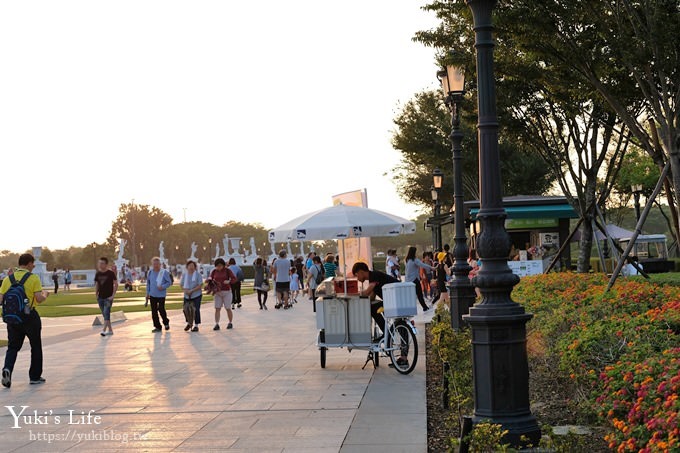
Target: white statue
(302, 248)
(217, 251)
(253, 250)
(121, 249)
(194, 247)
(161, 252)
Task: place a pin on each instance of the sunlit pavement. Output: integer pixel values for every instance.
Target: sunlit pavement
(258, 387)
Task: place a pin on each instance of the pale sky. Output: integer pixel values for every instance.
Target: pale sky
(236, 110)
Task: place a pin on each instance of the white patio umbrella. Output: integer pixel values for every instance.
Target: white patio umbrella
(342, 222)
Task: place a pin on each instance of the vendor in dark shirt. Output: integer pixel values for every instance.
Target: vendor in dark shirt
(376, 280)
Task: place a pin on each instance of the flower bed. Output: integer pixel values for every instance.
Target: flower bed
(621, 350)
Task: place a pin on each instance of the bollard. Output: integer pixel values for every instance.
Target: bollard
(445, 383)
(465, 430)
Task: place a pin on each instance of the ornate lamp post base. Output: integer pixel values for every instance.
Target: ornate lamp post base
(463, 296)
(501, 373)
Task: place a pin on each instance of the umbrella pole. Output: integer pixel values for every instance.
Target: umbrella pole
(344, 265)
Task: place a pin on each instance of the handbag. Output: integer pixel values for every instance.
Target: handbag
(264, 286)
(189, 310)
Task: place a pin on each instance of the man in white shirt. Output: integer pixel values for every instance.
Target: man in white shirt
(282, 279)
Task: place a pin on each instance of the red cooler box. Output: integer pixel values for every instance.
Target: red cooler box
(352, 286)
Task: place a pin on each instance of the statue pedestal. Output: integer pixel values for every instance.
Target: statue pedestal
(41, 271)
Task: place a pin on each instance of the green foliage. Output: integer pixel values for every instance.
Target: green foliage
(544, 104)
(638, 168)
(422, 133)
(140, 226)
(456, 349)
(583, 58)
(488, 437)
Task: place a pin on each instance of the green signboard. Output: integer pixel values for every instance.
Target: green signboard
(530, 224)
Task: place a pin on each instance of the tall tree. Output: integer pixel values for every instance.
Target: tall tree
(584, 146)
(643, 43)
(421, 135)
(140, 226)
(543, 99)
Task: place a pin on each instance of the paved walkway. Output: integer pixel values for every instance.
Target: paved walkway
(258, 387)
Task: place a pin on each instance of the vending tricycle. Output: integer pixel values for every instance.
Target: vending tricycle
(344, 321)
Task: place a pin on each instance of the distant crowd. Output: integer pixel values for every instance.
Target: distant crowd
(290, 278)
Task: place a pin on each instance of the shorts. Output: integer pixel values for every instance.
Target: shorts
(105, 307)
(282, 287)
(223, 299)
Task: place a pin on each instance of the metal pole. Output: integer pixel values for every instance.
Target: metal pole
(638, 227)
(600, 254)
(438, 226)
(499, 352)
(636, 198)
(609, 243)
(462, 291)
(564, 245)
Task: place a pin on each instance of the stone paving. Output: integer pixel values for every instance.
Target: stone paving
(256, 388)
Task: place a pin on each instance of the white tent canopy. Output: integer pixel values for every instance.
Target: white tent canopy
(341, 222)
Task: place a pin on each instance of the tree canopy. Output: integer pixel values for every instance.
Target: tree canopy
(572, 87)
(422, 133)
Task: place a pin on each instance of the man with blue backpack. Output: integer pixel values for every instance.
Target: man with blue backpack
(19, 294)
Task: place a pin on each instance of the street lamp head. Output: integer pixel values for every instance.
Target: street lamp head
(437, 178)
(452, 78)
(209, 240)
(455, 77)
(636, 188)
(435, 193)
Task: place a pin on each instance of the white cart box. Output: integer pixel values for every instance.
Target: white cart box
(399, 300)
(345, 321)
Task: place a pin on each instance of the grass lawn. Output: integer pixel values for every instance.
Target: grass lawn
(3, 343)
(58, 311)
(60, 305)
(667, 278)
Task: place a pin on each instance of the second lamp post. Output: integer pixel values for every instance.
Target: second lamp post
(462, 292)
(452, 79)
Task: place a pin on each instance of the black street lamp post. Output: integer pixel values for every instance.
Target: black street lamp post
(637, 190)
(462, 292)
(437, 181)
(432, 221)
(499, 353)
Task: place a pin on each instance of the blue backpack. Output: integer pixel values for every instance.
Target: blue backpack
(14, 301)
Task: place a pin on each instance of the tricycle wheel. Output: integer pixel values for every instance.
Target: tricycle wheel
(323, 357)
(402, 347)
